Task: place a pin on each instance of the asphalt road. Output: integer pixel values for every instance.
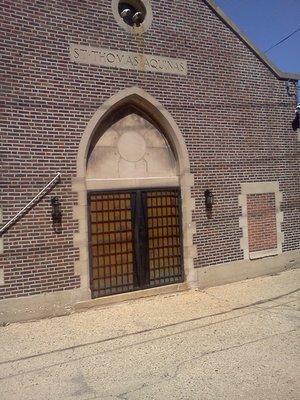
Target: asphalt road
(238, 341)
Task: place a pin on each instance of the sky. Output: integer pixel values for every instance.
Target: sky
(266, 22)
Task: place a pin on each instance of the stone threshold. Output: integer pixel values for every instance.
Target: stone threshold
(138, 294)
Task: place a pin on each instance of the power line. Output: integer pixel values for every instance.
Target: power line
(282, 40)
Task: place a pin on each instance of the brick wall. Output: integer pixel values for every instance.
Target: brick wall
(233, 113)
(261, 214)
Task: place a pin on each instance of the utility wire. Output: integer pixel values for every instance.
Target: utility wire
(282, 40)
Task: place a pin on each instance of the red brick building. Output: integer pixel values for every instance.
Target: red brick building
(150, 111)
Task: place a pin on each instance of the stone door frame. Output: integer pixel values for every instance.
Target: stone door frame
(155, 110)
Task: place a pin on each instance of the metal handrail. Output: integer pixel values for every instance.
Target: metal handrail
(31, 204)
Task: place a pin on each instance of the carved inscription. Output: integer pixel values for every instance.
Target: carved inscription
(127, 60)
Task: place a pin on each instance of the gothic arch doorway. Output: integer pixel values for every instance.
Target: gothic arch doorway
(133, 180)
(135, 233)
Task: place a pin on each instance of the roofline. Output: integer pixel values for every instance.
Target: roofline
(285, 76)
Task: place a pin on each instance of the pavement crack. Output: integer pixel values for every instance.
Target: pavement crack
(126, 346)
(170, 376)
(149, 330)
(216, 351)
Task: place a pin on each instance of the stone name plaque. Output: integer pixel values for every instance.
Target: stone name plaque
(127, 60)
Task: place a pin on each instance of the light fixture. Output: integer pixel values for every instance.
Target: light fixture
(296, 93)
(296, 120)
(56, 215)
(209, 201)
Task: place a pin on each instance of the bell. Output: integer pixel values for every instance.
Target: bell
(137, 18)
(125, 13)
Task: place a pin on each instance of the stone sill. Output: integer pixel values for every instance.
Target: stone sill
(263, 253)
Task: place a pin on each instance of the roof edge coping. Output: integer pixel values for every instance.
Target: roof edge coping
(286, 76)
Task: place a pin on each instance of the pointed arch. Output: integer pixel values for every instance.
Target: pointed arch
(152, 108)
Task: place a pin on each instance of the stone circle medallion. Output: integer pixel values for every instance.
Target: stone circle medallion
(132, 146)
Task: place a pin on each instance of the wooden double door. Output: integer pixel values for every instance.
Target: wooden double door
(135, 240)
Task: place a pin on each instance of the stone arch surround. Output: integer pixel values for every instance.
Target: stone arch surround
(151, 107)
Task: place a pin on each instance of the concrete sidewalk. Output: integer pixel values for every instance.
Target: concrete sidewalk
(237, 341)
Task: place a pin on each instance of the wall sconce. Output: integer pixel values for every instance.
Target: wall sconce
(56, 215)
(209, 201)
(296, 121)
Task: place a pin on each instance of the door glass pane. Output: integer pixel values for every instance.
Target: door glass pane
(111, 244)
(127, 255)
(164, 237)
